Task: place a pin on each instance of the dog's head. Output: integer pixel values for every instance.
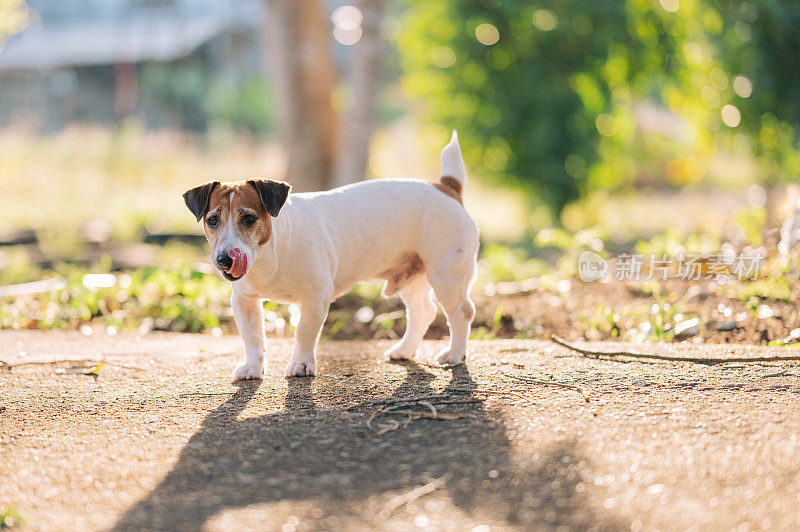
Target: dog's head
(237, 219)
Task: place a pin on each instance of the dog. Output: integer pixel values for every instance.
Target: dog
(310, 248)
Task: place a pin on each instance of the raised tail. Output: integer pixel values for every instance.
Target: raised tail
(453, 162)
(454, 173)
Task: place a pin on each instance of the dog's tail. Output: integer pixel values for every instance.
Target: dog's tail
(454, 173)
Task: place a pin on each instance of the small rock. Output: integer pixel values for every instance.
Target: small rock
(725, 326)
(687, 329)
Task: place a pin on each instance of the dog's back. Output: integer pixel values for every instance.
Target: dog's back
(389, 228)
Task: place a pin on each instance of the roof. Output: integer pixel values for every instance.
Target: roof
(82, 43)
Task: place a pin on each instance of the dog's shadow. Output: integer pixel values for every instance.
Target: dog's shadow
(337, 473)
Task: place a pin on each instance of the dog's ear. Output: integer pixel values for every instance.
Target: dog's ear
(273, 194)
(197, 198)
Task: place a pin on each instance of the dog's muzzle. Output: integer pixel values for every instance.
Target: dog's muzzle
(233, 264)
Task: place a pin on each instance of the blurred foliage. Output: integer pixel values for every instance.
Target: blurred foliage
(178, 89)
(179, 298)
(197, 99)
(243, 105)
(564, 97)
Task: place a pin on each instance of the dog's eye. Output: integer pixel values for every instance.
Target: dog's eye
(212, 221)
(248, 219)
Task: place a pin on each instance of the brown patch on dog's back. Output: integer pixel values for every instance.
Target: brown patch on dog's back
(408, 267)
(450, 186)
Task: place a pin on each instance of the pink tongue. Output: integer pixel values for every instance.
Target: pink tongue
(239, 266)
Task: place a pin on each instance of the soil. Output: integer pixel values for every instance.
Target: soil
(159, 438)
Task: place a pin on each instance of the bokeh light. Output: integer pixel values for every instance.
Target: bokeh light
(545, 20)
(487, 34)
(443, 57)
(719, 79)
(742, 87)
(670, 5)
(606, 124)
(347, 17)
(347, 21)
(347, 37)
(731, 115)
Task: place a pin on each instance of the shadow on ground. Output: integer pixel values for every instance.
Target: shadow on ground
(326, 469)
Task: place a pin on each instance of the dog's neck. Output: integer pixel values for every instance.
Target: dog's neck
(266, 262)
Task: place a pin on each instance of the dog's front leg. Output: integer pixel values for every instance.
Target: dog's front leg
(304, 355)
(249, 315)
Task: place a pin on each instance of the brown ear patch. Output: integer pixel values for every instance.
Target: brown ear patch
(450, 186)
(197, 198)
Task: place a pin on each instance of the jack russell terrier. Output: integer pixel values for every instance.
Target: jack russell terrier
(311, 248)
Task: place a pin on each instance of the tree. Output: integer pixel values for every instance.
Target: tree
(305, 76)
(509, 75)
(550, 95)
(324, 148)
(365, 81)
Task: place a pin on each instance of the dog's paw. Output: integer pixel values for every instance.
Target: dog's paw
(248, 370)
(446, 357)
(399, 352)
(300, 368)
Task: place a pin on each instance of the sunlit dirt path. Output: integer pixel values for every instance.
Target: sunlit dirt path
(159, 438)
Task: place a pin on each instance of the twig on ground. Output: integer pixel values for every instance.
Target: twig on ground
(457, 401)
(395, 400)
(777, 373)
(411, 496)
(49, 362)
(696, 360)
(528, 378)
(432, 408)
(95, 361)
(413, 415)
(392, 426)
(415, 399)
(369, 420)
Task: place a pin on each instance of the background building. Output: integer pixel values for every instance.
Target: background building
(170, 63)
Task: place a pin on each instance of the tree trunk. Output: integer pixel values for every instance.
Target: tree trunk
(365, 79)
(298, 41)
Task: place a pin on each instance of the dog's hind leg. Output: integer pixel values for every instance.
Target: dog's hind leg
(420, 312)
(451, 283)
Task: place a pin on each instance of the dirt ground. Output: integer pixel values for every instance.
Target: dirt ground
(160, 439)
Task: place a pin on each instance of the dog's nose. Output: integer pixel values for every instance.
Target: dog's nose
(224, 261)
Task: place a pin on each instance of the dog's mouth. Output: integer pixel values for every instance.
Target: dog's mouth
(231, 277)
(238, 265)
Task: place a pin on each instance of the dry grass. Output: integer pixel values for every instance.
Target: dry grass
(127, 177)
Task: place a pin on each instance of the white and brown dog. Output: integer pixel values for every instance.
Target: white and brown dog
(311, 248)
